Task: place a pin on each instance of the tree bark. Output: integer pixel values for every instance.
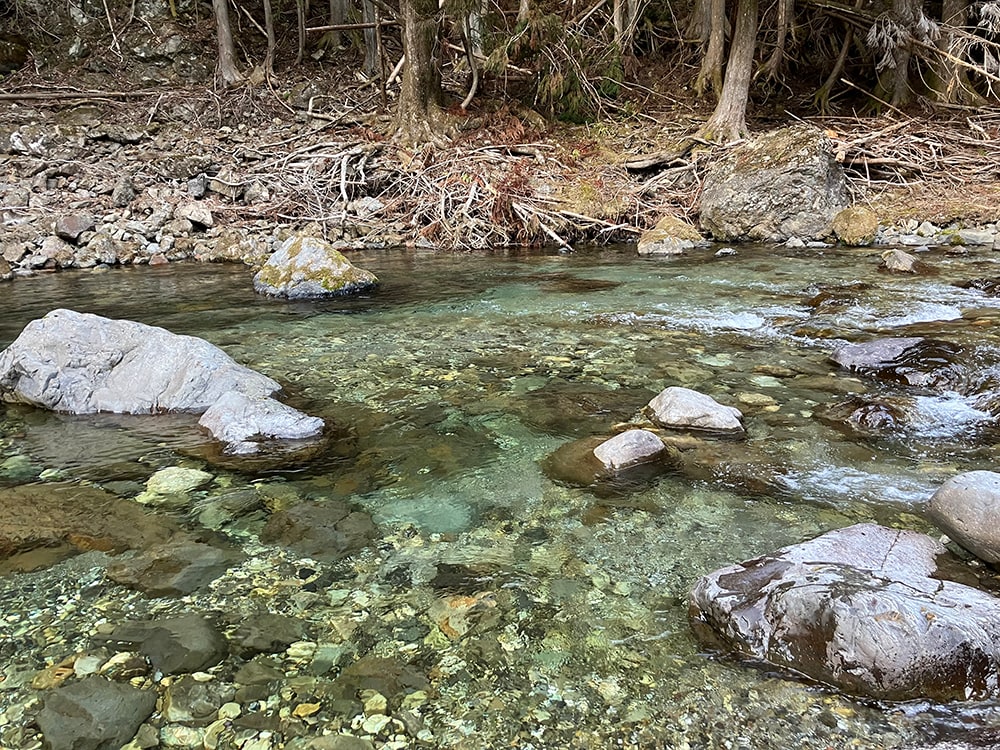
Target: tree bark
(711, 64)
(523, 11)
(950, 81)
(227, 68)
(271, 43)
(729, 120)
(419, 118)
(371, 67)
(338, 16)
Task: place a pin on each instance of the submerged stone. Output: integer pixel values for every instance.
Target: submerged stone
(857, 609)
(78, 516)
(863, 417)
(94, 714)
(305, 267)
(608, 465)
(630, 448)
(914, 361)
(896, 261)
(242, 422)
(174, 645)
(173, 569)
(324, 531)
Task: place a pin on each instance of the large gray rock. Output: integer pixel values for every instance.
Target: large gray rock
(687, 409)
(858, 609)
(305, 267)
(967, 508)
(241, 421)
(82, 363)
(781, 184)
(94, 714)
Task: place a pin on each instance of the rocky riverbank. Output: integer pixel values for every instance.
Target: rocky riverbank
(90, 182)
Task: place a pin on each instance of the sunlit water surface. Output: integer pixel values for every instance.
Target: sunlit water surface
(452, 383)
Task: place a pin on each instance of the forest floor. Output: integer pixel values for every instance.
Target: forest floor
(307, 149)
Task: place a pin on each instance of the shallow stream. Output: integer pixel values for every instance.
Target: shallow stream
(448, 387)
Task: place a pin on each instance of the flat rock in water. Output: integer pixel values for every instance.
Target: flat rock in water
(687, 409)
(173, 569)
(896, 261)
(83, 363)
(857, 608)
(80, 516)
(323, 531)
(967, 508)
(606, 466)
(306, 267)
(241, 422)
(914, 361)
(94, 714)
(781, 184)
(861, 416)
(174, 645)
(267, 633)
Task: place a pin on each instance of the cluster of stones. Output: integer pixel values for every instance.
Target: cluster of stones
(868, 609)
(68, 216)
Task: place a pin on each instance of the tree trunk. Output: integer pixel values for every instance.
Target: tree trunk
(227, 69)
(419, 118)
(729, 120)
(711, 63)
(371, 42)
(338, 16)
(523, 11)
(950, 81)
(699, 23)
(301, 11)
(271, 43)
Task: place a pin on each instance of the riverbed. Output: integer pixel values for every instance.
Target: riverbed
(535, 614)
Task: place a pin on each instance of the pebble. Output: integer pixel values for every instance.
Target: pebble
(375, 723)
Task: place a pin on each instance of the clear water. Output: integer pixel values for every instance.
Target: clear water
(454, 381)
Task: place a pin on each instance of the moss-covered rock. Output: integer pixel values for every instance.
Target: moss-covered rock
(856, 226)
(671, 236)
(305, 267)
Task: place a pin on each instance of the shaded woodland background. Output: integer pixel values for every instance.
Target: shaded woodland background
(571, 61)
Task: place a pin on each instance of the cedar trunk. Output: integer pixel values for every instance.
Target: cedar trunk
(728, 122)
(419, 118)
(228, 71)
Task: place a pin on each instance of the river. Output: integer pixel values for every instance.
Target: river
(448, 387)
